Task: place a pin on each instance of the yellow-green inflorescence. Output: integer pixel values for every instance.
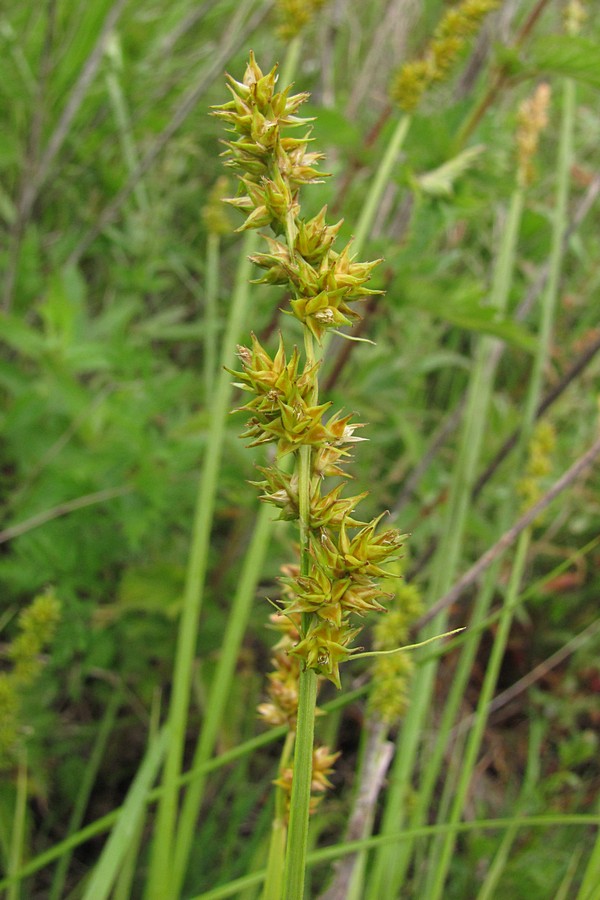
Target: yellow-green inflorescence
(391, 673)
(295, 15)
(449, 39)
(346, 556)
(539, 464)
(37, 624)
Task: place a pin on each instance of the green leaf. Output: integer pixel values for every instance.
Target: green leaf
(111, 859)
(575, 57)
(20, 336)
(440, 182)
(485, 322)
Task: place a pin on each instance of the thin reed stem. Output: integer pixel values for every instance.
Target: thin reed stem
(213, 252)
(18, 828)
(158, 885)
(379, 184)
(532, 774)
(297, 843)
(439, 869)
(273, 888)
(218, 696)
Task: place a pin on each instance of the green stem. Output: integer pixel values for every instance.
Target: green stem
(219, 691)
(377, 188)
(100, 884)
(591, 877)
(106, 822)
(479, 397)
(297, 843)
(290, 63)
(275, 864)
(18, 833)
(213, 245)
(158, 885)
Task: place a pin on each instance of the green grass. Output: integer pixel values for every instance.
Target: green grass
(124, 484)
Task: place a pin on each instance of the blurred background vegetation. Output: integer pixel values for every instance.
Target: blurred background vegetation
(108, 166)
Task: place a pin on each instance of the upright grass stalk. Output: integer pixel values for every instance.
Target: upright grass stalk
(18, 831)
(591, 877)
(273, 889)
(161, 861)
(297, 838)
(391, 863)
(220, 687)
(533, 397)
(213, 254)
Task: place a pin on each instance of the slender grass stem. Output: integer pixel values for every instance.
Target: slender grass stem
(382, 177)
(297, 843)
(273, 888)
(105, 823)
(220, 687)
(478, 399)
(100, 885)
(290, 63)
(532, 773)
(327, 854)
(163, 850)
(439, 870)
(213, 246)
(18, 830)
(126, 133)
(591, 876)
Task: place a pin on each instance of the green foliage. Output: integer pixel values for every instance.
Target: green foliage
(107, 159)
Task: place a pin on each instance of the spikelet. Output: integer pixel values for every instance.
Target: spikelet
(346, 556)
(37, 624)
(539, 465)
(532, 118)
(295, 15)
(391, 674)
(449, 40)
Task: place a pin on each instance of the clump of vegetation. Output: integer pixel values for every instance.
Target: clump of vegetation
(463, 146)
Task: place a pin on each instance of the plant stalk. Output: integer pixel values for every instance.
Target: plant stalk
(297, 843)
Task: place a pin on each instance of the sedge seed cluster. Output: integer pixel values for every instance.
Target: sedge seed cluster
(343, 557)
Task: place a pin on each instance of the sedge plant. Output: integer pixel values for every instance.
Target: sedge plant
(341, 556)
